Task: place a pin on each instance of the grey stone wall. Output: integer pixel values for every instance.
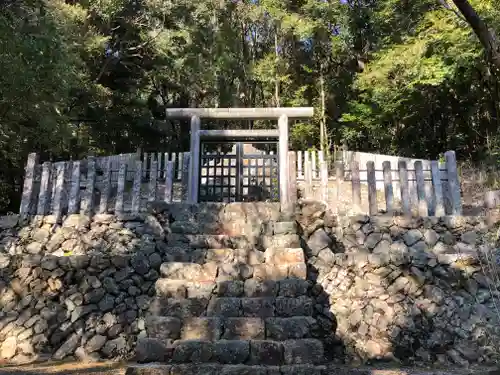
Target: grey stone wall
(83, 288)
(405, 289)
(78, 290)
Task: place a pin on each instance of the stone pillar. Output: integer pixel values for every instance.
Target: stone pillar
(194, 169)
(283, 160)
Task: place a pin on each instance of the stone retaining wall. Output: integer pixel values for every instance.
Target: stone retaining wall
(82, 288)
(411, 290)
(405, 289)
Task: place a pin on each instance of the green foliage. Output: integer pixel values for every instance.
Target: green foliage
(397, 77)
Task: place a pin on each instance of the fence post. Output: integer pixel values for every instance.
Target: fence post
(185, 175)
(136, 188)
(292, 177)
(323, 174)
(74, 194)
(453, 183)
(438, 189)
(106, 187)
(283, 159)
(144, 165)
(28, 187)
(60, 169)
(308, 188)
(339, 181)
(313, 165)
(372, 188)
(180, 165)
(300, 173)
(403, 184)
(120, 191)
(44, 189)
(194, 170)
(356, 186)
(153, 177)
(159, 156)
(169, 182)
(88, 197)
(423, 209)
(388, 189)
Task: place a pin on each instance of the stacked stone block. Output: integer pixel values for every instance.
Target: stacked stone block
(235, 305)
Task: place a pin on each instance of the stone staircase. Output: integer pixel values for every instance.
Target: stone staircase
(231, 303)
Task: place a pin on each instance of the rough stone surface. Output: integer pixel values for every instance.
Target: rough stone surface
(236, 286)
(389, 284)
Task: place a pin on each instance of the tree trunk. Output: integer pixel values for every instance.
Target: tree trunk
(485, 35)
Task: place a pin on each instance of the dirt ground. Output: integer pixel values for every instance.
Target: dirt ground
(66, 368)
(113, 368)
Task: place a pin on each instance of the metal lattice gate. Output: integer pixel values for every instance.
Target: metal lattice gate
(239, 171)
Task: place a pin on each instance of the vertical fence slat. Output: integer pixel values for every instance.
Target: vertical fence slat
(372, 188)
(313, 164)
(339, 181)
(388, 188)
(136, 189)
(403, 184)
(323, 175)
(300, 173)
(169, 182)
(153, 183)
(308, 188)
(292, 175)
(120, 191)
(453, 183)
(437, 188)
(159, 157)
(423, 209)
(74, 194)
(59, 188)
(356, 186)
(165, 165)
(106, 186)
(29, 184)
(173, 157)
(144, 165)
(185, 174)
(180, 165)
(44, 188)
(88, 196)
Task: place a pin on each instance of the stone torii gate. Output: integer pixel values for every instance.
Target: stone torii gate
(280, 114)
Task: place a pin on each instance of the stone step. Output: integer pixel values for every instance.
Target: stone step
(214, 369)
(194, 226)
(220, 255)
(262, 352)
(241, 328)
(221, 241)
(251, 257)
(233, 307)
(216, 271)
(175, 288)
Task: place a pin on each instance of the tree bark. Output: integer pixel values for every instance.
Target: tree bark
(485, 35)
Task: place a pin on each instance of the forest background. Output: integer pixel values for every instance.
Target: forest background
(404, 77)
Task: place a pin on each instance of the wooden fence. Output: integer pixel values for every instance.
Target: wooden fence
(126, 183)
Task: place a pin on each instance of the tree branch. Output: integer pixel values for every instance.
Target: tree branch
(485, 35)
